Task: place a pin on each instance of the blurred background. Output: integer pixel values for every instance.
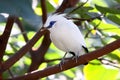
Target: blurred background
(99, 21)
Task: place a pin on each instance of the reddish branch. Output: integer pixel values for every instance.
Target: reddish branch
(67, 65)
(8, 63)
(4, 38)
(66, 4)
(44, 12)
(21, 29)
(37, 56)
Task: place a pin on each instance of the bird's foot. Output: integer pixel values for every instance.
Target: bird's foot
(75, 57)
(61, 62)
(60, 66)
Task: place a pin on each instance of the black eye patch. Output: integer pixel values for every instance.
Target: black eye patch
(51, 24)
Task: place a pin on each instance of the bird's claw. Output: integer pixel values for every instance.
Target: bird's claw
(75, 57)
(60, 64)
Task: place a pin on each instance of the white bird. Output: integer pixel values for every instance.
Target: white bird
(65, 35)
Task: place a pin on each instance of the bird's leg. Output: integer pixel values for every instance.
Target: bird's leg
(75, 57)
(62, 61)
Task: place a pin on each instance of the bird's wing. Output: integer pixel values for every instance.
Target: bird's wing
(85, 49)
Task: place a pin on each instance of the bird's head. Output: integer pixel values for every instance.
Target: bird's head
(53, 20)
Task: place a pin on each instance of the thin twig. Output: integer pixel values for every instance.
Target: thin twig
(77, 8)
(89, 19)
(22, 29)
(44, 10)
(112, 65)
(110, 61)
(55, 60)
(95, 28)
(9, 71)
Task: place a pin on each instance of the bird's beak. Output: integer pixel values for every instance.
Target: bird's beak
(43, 28)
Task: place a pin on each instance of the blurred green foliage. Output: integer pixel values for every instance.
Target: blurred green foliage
(98, 32)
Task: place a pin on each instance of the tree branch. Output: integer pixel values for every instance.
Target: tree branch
(38, 55)
(67, 65)
(5, 36)
(8, 63)
(66, 4)
(21, 29)
(44, 12)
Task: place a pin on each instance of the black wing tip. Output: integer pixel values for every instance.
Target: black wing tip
(72, 53)
(85, 49)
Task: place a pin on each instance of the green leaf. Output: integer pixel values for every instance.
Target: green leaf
(43, 66)
(27, 60)
(114, 18)
(22, 8)
(51, 56)
(107, 10)
(83, 12)
(50, 8)
(109, 28)
(100, 72)
(115, 55)
(118, 1)
(116, 36)
(69, 73)
(105, 3)
(53, 53)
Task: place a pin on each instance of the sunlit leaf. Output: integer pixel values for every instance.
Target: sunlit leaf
(114, 18)
(50, 8)
(27, 60)
(93, 31)
(42, 66)
(105, 3)
(115, 55)
(107, 10)
(69, 73)
(56, 1)
(83, 12)
(100, 72)
(107, 27)
(38, 11)
(116, 36)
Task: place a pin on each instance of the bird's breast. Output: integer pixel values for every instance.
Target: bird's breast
(66, 39)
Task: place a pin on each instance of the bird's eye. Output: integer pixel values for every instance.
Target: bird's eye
(51, 24)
